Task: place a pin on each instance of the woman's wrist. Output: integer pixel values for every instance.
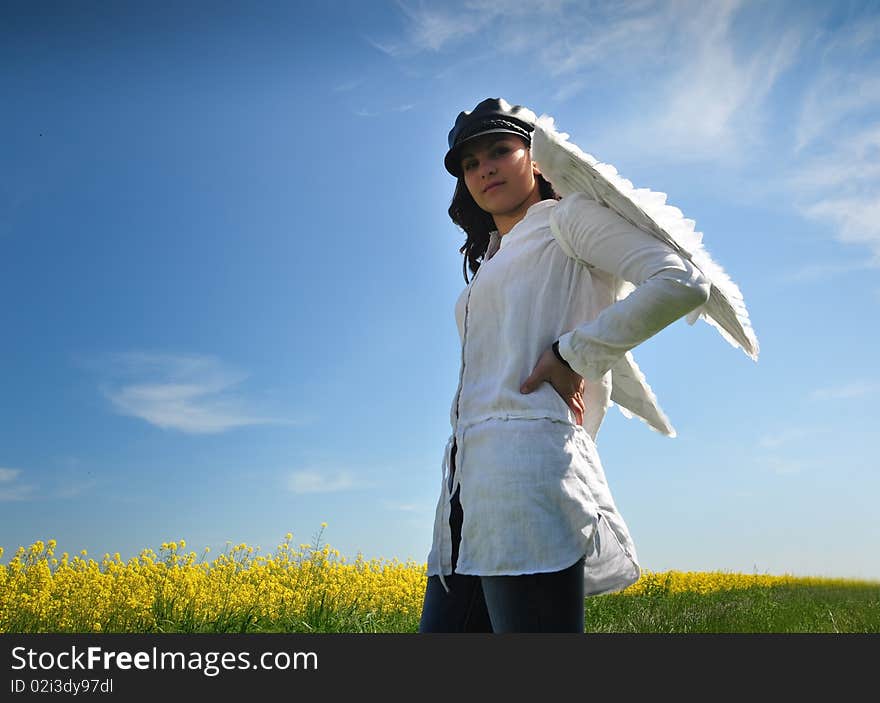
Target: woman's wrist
(559, 356)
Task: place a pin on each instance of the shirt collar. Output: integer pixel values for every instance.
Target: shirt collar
(540, 206)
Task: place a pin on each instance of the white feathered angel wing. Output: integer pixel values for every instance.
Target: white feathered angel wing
(571, 170)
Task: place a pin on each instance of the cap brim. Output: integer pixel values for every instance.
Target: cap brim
(452, 156)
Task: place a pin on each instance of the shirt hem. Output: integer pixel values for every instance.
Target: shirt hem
(506, 572)
(465, 425)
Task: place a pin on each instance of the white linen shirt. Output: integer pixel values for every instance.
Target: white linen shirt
(532, 488)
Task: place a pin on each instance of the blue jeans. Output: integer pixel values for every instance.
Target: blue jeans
(543, 602)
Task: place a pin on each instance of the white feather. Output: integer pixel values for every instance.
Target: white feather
(571, 170)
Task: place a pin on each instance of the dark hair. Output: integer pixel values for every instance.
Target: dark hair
(477, 223)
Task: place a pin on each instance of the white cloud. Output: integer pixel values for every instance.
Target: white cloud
(785, 466)
(821, 271)
(347, 86)
(857, 219)
(568, 90)
(407, 507)
(553, 30)
(15, 493)
(428, 29)
(838, 92)
(365, 112)
(7, 475)
(841, 185)
(604, 41)
(10, 487)
(840, 169)
(74, 488)
(190, 393)
(432, 28)
(716, 101)
(857, 389)
(837, 138)
(787, 436)
(392, 49)
(702, 90)
(833, 98)
(706, 97)
(702, 82)
(311, 481)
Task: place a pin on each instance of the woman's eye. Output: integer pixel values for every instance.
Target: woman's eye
(468, 165)
(500, 151)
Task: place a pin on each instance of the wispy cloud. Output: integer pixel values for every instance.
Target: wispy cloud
(706, 94)
(715, 100)
(11, 488)
(389, 48)
(785, 436)
(511, 25)
(836, 94)
(7, 475)
(186, 392)
(364, 112)
(72, 488)
(816, 272)
(706, 84)
(346, 86)
(841, 185)
(314, 481)
(406, 507)
(837, 138)
(432, 29)
(785, 466)
(610, 38)
(848, 391)
(857, 219)
(851, 161)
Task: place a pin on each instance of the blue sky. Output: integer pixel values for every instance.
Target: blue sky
(227, 275)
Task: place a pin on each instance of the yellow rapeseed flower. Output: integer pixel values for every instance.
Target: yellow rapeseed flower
(147, 594)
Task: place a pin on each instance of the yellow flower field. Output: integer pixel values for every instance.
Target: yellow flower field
(711, 581)
(243, 591)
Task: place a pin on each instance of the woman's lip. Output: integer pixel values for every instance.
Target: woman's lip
(492, 185)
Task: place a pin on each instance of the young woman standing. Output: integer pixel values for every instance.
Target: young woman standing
(526, 525)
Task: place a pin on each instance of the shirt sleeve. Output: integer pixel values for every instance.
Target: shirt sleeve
(667, 285)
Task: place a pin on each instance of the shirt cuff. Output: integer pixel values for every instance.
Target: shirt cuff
(559, 356)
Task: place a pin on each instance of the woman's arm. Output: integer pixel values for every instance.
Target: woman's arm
(667, 285)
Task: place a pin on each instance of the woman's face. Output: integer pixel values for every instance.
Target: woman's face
(500, 176)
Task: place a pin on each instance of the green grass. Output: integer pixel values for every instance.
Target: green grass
(776, 609)
(793, 608)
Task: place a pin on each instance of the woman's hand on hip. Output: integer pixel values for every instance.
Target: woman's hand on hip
(567, 383)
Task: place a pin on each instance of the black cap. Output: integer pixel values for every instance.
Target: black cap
(491, 115)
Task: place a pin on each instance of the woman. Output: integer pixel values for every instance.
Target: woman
(526, 525)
